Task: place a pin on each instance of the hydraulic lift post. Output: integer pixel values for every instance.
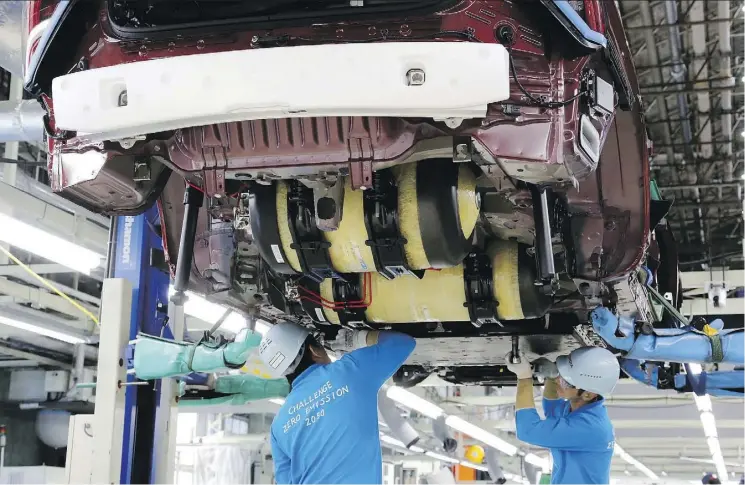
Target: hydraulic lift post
(136, 255)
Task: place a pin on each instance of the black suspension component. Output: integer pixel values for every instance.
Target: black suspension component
(478, 281)
(193, 200)
(346, 290)
(381, 221)
(308, 240)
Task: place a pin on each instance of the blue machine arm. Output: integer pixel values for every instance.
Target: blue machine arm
(716, 383)
(670, 345)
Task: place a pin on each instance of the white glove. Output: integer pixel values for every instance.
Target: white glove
(547, 369)
(521, 370)
(348, 340)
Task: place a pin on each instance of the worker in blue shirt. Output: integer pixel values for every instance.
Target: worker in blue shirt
(327, 429)
(576, 429)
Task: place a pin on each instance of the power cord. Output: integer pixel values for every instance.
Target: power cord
(506, 36)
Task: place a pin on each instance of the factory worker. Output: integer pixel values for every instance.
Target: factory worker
(327, 429)
(576, 429)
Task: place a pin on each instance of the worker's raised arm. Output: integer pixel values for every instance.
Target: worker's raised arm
(552, 405)
(378, 354)
(565, 433)
(281, 463)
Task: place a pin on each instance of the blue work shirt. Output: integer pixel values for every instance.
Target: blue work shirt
(327, 429)
(581, 441)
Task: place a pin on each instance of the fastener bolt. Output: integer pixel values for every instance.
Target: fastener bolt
(415, 77)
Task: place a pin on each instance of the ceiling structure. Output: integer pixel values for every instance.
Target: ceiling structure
(689, 59)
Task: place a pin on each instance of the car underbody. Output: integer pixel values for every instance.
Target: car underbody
(490, 192)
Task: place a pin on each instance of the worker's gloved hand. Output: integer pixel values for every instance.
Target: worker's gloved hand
(606, 324)
(348, 340)
(546, 369)
(521, 370)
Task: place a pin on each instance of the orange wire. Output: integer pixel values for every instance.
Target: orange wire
(195, 187)
(335, 305)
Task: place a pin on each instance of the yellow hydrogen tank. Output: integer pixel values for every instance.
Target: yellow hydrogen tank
(440, 295)
(348, 251)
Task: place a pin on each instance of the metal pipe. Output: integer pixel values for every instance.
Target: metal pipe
(701, 67)
(700, 186)
(193, 200)
(646, 13)
(543, 245)
(725, 70)
(678, 24)
(678, 71)
(718, 204)
(710, 89)
(21, 121)
(682, 144)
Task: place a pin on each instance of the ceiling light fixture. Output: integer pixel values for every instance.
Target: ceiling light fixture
(199, 307)
(633, 461)
(440, 457)
(43, 330)
(536, 460)
(481, 434)
(433, 411)
(709, 423)
(48, 246)
(474, 466)
(278, 401)
(411, 400)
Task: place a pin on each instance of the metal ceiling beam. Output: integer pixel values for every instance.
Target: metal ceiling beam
(700, 186)
(711, 89)
(44, 268)
(684, 83)
(645, 11)
(5, 349)
(643, 67)
(684, 23)
(719, 204)
(665, 145)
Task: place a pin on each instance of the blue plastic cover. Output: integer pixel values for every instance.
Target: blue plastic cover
(589, 34)
(673, 345)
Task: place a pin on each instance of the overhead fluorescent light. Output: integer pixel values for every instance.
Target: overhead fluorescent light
(474, 466)
(633, 461)
(708, 422)
(481, 434)
(440, 457)
(536, 460)
(392, 441)
(43, 330)
(433, 411)
(411, 400)
(278, 401)
(210, 312)
(48, 246)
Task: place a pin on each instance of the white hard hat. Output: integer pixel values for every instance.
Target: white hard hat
(593, 369)
(282, 346)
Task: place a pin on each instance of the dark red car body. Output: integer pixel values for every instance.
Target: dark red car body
(607, 203)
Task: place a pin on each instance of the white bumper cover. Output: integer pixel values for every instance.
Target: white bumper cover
(460, 80)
